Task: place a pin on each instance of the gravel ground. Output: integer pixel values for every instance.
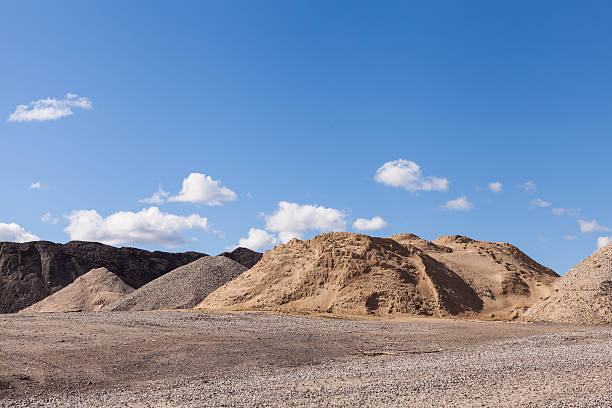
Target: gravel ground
(193, 359)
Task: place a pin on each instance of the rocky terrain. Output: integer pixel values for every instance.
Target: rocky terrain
(352, 274)
(506, 279)
(94, 291)
(191, 359)
(582, 295)
(183, 287)
(243, 256)
(31, 271)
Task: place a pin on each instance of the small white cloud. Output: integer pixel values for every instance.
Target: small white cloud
(495, 187)
(249, 195)
(538, 202)
(458, 204)
(591, 226)
(258, 239)
(528, 186)
(290, 220)
(14, 233)
(572, 212)
(157, 198)
(36, 185)
(408, 175)
(148, 226)
(49, 109)
(603, 241)
(363, 224)
(48, 218)
(569, 237)
(200, 188)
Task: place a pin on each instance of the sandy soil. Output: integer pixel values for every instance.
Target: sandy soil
(180, 358)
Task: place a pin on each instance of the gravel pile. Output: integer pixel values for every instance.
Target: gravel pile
(582, 295)
(94, 291)
(183, 287)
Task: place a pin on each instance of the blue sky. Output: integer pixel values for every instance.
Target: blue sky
(291, 118)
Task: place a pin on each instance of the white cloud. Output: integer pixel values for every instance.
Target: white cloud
(495, 187)
(459, 204)
(49, 109)
(603, 241)
(290, 220)
(569, 237)
(408, 175)
(148, 226)
(36, 186)
(528, 186)
(363, 224)
(258, 239)
(157, 198)
(572, 212)
(15, 233)
(538, 202)
(591, 226)
(200, 188)
(48, 218)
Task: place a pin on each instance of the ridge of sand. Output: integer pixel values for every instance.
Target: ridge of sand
(183, 287)
(506, 279)
(347, 274)
(582, 295)
(93, 291)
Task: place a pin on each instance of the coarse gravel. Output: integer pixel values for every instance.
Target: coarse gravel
(194, 359)
(183, 287)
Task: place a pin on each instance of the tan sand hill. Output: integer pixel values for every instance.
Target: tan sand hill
(183, 287)
(93, 291)
(347, 274)
(582, 295)
(506, 279)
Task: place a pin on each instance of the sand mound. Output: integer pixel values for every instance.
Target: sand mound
(505, 278)
(243, 256)
(94, 291)
(582, 295)
(347, 274)
(183, 287)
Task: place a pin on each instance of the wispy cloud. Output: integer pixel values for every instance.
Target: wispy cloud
(495, 187)
(538, 202)
(49, 109)
(572, 212)
(527, 186)
(48, 218)
(587, 226)
(458, 204)
(364, 224)
(157, 198)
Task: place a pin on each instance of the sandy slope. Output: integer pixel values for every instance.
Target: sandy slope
(94, 291)
(505, 278)
(582, 295)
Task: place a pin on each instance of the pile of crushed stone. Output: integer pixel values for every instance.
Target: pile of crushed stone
(183, 287)
(582, 295)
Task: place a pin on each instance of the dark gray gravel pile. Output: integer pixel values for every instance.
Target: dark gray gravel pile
(183, 287)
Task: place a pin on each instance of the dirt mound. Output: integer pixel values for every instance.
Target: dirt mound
(183, 287)
(29, 272)
(582, 295)
(243, 256)
(505, 278)
(94, 291)
(347, 274)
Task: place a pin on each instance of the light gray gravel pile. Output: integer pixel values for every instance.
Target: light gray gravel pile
(582, 295)
(183, 287)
